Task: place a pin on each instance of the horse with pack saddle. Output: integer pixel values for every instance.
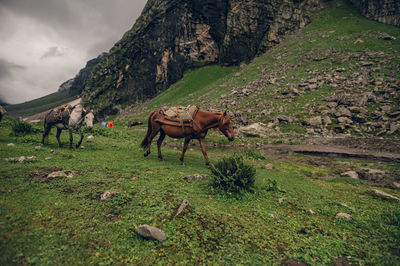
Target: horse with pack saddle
(188, 123)
(69, 118)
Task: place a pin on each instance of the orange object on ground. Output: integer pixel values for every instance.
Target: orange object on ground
(110, 124)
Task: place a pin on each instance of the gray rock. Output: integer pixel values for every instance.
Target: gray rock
(10, 145)
(60, 174)
(273, 216)
(343, 215)
(195, 177)
(257, 130)
(345, 120)
(383, 195)
(313, 121)
(108, 194)
(38, 148)
(269, 166)
(351, 174)
(151, 232)
(184, 204)
(311, 212)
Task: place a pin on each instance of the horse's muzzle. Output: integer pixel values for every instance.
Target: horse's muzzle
(231, 138)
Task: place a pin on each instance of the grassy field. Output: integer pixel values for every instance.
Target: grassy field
(63, 220)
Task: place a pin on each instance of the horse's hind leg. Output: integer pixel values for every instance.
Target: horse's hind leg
(185, 145)
(159, 142)
(150, 138)
(58, 137)
(70, 139)
(80, 141)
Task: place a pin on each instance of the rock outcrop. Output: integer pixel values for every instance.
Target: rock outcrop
(172, 36)
(384, 11)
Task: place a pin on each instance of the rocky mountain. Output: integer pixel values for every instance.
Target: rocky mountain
(172, 36)
(78, 82)
(384, 11)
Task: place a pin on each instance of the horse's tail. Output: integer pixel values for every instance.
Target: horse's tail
(145, 141)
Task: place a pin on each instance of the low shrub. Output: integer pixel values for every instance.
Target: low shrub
(233, 174)
(21, 128)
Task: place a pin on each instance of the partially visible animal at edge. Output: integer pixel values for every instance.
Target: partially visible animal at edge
(197, 128)
(67, 117)
(2, 112)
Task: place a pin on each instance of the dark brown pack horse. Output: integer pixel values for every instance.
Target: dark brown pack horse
(195, 129)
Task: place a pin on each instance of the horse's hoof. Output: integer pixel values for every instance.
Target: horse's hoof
(161, 159)
(146, 154)
(182, 163)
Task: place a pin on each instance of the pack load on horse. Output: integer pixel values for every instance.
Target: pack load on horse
(67, 117)
(188, 123)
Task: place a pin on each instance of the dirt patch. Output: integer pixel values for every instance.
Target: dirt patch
(42, 173)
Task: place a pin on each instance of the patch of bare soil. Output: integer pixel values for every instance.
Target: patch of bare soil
(42, 173)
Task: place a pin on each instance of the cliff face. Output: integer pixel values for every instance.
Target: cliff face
(384, 11)
(172, 36)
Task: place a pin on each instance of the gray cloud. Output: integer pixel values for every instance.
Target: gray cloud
(52, 52)
(7, 67)
(53, 39)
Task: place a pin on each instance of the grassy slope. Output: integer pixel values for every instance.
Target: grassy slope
(62, 220)
(40, 105)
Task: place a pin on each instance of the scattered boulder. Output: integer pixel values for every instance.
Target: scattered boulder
(343, 215)
(311, 212)
(351, 174)
(257, 130)
(313, 121)
(61, 174)
(383, 195)
(385, 36)
(108, 194)
(10, 145)
(190, 178)
(184, 204)
(21, 159)
(151, 232)
(38, 147)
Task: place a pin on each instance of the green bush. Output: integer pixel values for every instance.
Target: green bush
(20, 128)
(232, 174)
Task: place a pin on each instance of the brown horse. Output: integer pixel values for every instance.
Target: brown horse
(196, 129)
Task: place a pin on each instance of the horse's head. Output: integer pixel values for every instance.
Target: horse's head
(88, 119)
(225, 126)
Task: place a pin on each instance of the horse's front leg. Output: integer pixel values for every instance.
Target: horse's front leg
(58, 137)
(203, 149)
(185, 145)
(159, 142)
(70, 138)
(80, 141)
(150, 139)
(46, 132)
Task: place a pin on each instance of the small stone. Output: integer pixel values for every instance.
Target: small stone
(311, 212)
(90, 137)
(344, 205)
(396, 185)
(52, 151)
(269, 166)
(47, 158)
(81, 147)
(195, 177)
(108, 194)
(151, 232)
(351, 174)
(38, 148)
(184, 204)
(10, 144)
(342, 215)
(61, 174)
(273, 216)
(280, 200)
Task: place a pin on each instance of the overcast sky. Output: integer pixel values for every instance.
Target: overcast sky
(46, 42)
